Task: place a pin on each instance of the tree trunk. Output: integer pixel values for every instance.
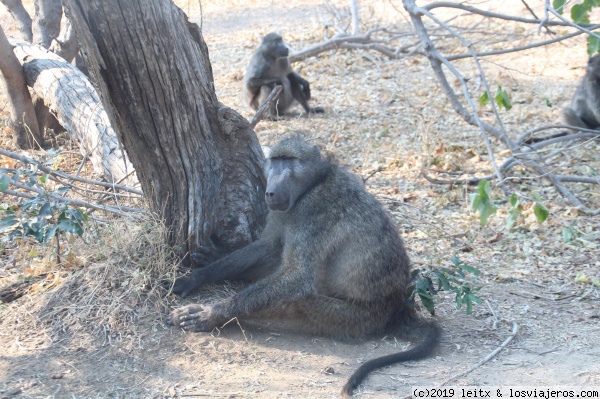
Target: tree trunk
(76, 104)
(21, 16)
(46, 21)
(65, 45)
(23, 119)
(197, 160)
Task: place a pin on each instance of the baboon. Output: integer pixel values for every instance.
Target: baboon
(269, 66)
(329, 257)
(585, 107)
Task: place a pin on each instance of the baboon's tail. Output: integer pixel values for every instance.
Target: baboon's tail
(429, 333)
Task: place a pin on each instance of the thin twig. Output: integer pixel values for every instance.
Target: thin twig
(64, 175)
(514, 332)
(123, 210)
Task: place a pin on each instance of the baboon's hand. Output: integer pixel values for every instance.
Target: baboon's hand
(317, 110)
(184, 286)
(194, 317)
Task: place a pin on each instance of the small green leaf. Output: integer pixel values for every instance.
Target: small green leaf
(470, 269)
(559, 5)
(70, 226)
(481, 202)
(579, 14)
(593, 45)
(43, 179)
(75, 214)
(547, 101)
(541, 213)
(50, 233)
(539, 210)
(442, 280)
(4, 181)
(484, 98)
(459, 301)
(8, 222)
(587, 4)
(45, 211)
(428, 303)
(514, 200)
(502, 99)
(469, 304)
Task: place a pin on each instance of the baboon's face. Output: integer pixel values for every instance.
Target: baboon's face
(275, 46)
(284, 183)
(293, 167)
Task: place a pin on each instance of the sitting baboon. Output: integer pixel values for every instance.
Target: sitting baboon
(329, 256)
(585, 107)
(269, 67)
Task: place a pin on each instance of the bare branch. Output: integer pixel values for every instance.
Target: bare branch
(489, 14)
(366, 41)
(266, 104)
(67, 176)
(519, 48)
(122, 210)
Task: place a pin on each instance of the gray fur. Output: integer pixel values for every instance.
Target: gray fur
(329, 256)
(585, 106)
(269, 66)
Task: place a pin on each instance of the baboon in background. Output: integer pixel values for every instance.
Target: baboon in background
(269, 67)
(329, 257)
(585, 107)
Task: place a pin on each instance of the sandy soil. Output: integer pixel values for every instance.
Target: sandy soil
(384, 118)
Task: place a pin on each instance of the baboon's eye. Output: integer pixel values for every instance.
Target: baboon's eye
(282, 158)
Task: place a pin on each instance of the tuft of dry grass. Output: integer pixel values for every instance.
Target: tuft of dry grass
(118, 280)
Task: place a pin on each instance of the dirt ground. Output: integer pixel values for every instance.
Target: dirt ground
(84, 335)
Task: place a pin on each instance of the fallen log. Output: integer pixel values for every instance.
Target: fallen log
(70, 96)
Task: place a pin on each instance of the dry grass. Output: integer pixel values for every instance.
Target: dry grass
(103, 287)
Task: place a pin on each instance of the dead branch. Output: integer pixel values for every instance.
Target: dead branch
(67, 180)
(515, 330)
(519, 48)
(527, 155)
(26, 160)
(122, 210)
(494, 15)
(358, 41)
(265, 105)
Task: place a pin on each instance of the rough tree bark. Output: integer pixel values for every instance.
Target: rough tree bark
(23, 119)
(198, 161)
(47, 21)
(21, 16)
(73, 100)
(65, 45)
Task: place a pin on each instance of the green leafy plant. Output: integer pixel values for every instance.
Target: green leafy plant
(459, 278)
(501, 98)
(540, 211)
(42, 215)
(516, 209)
(580, 14)
(481, 202)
